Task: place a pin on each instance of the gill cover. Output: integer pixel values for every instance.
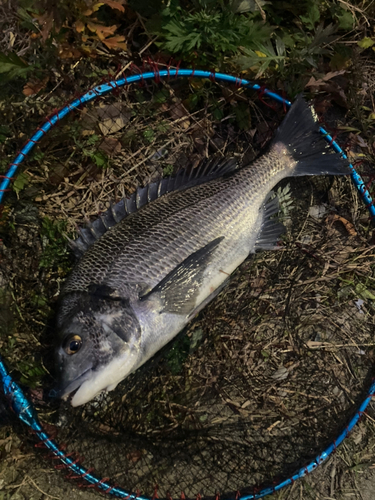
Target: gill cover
(98, 328)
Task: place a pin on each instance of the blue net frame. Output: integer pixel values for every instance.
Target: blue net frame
(18, 401)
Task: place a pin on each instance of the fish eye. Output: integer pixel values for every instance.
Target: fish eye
(72, 344)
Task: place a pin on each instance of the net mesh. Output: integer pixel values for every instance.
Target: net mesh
(269, 372)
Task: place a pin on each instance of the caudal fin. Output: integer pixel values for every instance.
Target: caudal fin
(299, 132)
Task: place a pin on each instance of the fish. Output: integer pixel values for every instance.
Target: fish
(152, 262)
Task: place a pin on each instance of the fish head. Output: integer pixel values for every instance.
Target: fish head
(98, 345)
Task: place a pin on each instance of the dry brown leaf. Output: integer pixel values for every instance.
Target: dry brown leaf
(112, 118)
(45, 22)
(362, 143)
(331, 87)
(321, 106)
(97, 6)
(316, 83)
(135, 456)
(92, 9)
(355, 141)
(66, 51)
(115, 5)
(34, 86)
(115, 42)
(180, 113)
(79, 26)
(348, 225)
(102, 31)
(110, 146)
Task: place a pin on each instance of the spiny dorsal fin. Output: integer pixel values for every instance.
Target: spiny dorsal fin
(206, 170)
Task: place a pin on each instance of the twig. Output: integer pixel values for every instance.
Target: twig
(40, 490)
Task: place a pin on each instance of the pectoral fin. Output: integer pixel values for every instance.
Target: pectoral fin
(178, 291)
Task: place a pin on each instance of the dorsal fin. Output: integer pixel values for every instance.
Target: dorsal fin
(205, 171)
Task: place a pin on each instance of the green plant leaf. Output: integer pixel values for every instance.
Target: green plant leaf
(13, 66)
(21, 182)
(100, 159)
(149, 135)
(161, 96)
(242, 6)
(364, 292)
(366, 42)
(312, 17)
(168, 170)
(346, 20)
(4, 133)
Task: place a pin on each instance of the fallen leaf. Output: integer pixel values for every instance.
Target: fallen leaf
(357, 140)
(361, 143)
(57, 173)
(317, 211)
(366, 42)
(12, 38)
(332, 88)
(321, 106)
(97, 6)
(332, 74)
(112, 118)
(280, 374)
(102, 31)
(66, 51)
(92, 9)
(79, 26)
(34, 86)
(200, 145)
(45, 22)
(179, 113)
(110, 146)
(135, 456)
(115, 42)
(316, 83)
(348, 225)
(115, 5)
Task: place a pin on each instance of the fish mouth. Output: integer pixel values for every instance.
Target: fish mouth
(75, 384)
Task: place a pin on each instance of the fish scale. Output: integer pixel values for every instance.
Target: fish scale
(141, 280)
(170, 229)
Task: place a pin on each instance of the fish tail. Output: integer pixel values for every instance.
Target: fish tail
(299, 137)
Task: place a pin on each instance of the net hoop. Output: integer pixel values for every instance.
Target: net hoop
(18, 401)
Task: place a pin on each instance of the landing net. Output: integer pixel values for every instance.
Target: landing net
(271, 377)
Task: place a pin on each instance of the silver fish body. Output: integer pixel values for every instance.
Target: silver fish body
(144, 279)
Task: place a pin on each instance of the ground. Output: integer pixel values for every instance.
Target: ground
(266, 377)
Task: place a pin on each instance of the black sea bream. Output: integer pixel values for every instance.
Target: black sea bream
(138, 284)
